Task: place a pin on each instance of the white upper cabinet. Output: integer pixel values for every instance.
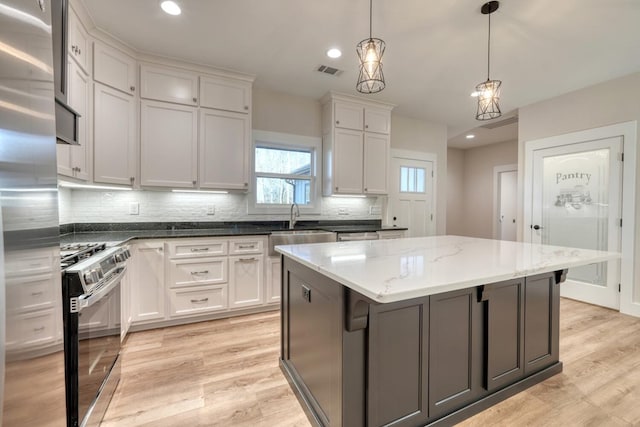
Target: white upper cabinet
(114, 143)
(376, 163)
(79, 45)
(349, 116)
(72, 159)
(224, 150)
(377, 120)
(225, 94)
(355, 145)
(114, 68)
(347, 156)
(168, 145)
(168, 84)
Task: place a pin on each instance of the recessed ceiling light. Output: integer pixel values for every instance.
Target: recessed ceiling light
(170, 7)
(470, 136)
(334, 53)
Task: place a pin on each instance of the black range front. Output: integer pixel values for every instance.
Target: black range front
(92, 325)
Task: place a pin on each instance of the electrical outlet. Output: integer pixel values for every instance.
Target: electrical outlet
(343, 211)
(375, 210)
(134, 208)
(211, 210)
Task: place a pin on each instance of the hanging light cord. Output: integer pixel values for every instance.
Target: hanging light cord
(489, 48)
(370, 17)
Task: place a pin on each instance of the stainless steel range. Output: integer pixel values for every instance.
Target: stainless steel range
(91, 278)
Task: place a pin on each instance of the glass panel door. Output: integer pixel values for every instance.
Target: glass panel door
(576, 203)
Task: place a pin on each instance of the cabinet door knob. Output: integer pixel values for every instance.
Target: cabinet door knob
(246, 184)
(336, 188)
(79, 170)
(246, 107)
(337, 122)
(133, 88)
(193, 182)
(132, 179)
(195, 99)
(366, 126)
(366, 189)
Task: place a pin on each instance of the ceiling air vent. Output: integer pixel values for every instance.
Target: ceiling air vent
(329, 70)
(499, 124)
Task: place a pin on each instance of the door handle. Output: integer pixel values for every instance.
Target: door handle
(536, 227)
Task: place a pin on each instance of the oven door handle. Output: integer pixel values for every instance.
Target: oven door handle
(89, 300)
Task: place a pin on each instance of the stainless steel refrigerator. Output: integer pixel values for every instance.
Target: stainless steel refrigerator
(32, 389)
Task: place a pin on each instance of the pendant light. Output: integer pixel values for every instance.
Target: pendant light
(488, 92)
(370, 51)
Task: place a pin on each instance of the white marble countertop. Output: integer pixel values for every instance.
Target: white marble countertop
(400, 269)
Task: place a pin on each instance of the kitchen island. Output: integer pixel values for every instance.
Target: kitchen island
(424, 331)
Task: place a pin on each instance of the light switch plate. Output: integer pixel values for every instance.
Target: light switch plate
(211, 210)
(134, 208)
(343, 211)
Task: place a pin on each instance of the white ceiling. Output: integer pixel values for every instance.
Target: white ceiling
(436, 51)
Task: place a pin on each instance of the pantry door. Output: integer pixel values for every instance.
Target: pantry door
(577, 202)
(411, 195)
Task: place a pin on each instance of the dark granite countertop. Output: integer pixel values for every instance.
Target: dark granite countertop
(117, 233)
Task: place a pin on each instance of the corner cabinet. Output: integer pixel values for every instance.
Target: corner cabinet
(114, 143)
(168, 145)
(356, 145)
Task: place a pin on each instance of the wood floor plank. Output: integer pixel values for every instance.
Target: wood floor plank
(225, 373)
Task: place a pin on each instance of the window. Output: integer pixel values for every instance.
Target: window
(284, 173)
(412, 180)
(283, 176)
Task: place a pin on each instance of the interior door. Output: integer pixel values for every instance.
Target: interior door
(508, 204)
(411, 196)
(577, 202)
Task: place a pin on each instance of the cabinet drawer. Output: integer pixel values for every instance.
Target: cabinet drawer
(31, 329)
(34, 293)
(390, 234)
(191, 301)
(29, 263)
(248, 246)
(191, 248)
(197, 272)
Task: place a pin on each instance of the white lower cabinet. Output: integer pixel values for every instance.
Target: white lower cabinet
(273, 279)
(148, 287)
(200, 276)
(246, 273)
(197, 300)
(125, 301)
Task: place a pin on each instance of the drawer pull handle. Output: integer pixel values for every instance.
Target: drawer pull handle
(36, 294)
(199, 249)
(200, 301)
(40, 329)
(246, 246)
(247, 259)
(200, 272)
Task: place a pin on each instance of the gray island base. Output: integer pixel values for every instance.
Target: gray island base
(432, 360)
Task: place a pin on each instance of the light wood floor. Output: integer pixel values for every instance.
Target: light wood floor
(225, 373)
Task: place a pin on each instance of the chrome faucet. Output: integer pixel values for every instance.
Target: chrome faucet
(293, 217)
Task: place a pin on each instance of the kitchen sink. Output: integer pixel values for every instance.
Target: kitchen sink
(296, 237)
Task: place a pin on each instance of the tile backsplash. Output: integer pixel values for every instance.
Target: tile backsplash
(91, 206)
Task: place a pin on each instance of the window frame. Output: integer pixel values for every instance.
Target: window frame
(284, 141)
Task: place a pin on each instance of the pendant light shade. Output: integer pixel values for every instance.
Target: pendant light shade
(370, 51)
(488, 92)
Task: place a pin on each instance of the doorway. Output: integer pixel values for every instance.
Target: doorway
(505, 202)
(411, 193)
(574, 197)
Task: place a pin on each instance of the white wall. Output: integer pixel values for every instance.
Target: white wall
(603, 104)
(455, 191)
(470, 198)
(280, 112)
(418, 135)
